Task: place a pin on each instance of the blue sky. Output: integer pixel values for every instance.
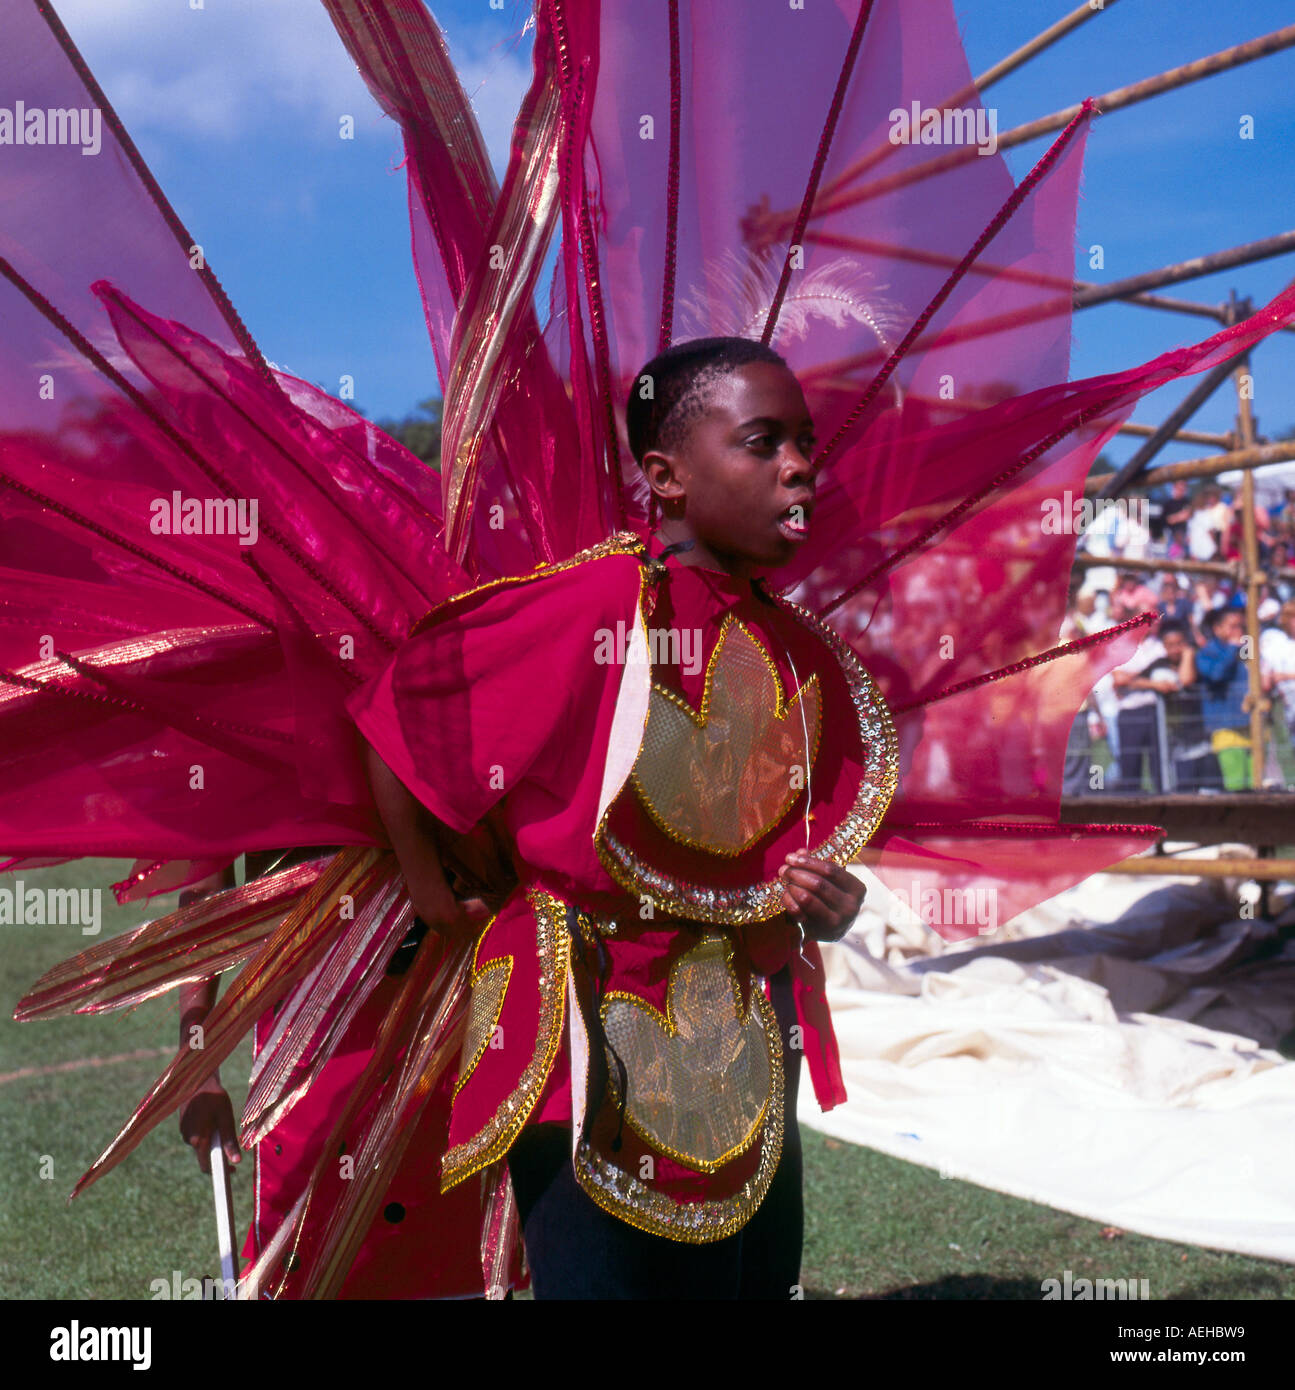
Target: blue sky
(236, 106)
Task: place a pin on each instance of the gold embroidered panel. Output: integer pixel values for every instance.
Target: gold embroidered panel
(489, 985)
(699, 1075)
(720, 777)
(762, 900)
(646, 1206)
(496, 1136)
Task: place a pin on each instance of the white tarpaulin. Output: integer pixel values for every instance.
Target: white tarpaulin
(1031, 1062)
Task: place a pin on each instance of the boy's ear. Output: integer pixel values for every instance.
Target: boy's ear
(661, 471)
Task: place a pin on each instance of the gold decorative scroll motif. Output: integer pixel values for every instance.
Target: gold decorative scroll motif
(721, 777)
(700, 1076)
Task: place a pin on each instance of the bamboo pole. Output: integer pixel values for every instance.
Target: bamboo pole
(1181, 76)
(837, 184)
(1182, 436)
(1179, 415)
(1264, 818)
(1086, 561)
(1063, 302)
(1160, 301)
(1209, 467)
(1245, 438)
(1192, 268)
(834, 197)
(1159, 866)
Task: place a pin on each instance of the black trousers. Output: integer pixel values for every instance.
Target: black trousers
(1138, 735)
(577, 1250)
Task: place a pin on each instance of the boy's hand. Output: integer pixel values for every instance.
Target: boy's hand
(209, 1111)
(461, 919)
(822, 897)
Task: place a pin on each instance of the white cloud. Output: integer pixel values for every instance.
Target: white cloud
(219, 70)
(223, 70)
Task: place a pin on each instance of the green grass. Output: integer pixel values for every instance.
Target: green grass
(151, 1215)
(876, 1227)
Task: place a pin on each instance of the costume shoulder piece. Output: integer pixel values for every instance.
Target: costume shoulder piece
(620, 543)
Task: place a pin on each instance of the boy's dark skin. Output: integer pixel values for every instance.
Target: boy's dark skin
(723, 488)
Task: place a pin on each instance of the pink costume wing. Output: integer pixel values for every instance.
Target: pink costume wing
(200, 559)
(172, 682)
(521, 483)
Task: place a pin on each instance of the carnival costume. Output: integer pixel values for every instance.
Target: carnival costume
(174, 695)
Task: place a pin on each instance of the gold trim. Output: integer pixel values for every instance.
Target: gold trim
(700, 718)
(619, 543)
(760, 902)
(666, 1022)
(498, 1134)
(693, 1223)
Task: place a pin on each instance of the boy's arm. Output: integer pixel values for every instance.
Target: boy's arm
(416, 836)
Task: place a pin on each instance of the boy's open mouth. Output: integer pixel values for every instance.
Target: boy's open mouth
(794, 522)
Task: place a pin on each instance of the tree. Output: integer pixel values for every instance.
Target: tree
(420, 431)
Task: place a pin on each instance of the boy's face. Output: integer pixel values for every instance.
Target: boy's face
(741, 476)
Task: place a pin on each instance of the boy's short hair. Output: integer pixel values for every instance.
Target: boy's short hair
(1172, 625)
(669, 393)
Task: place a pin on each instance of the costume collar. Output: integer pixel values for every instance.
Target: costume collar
(719, 581)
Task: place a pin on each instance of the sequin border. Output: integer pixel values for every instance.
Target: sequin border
(667, 1024)
(781, 709)
(692, 1223)
(498, 1134)
(761, 901)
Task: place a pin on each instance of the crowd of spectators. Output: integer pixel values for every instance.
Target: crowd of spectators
(1176, 716)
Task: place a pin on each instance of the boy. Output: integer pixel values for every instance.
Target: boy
(678, 828)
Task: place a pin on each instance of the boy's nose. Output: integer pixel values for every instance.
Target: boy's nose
(796, 467)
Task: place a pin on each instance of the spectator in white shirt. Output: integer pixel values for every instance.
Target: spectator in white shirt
(1208, 524)
(1138, 718)
(1277, 660)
